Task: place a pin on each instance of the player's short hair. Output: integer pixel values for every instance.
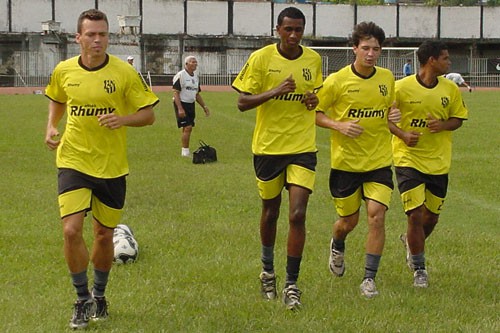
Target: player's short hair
(188, 58)
(93, 15)
(367, 30)
(291, 12)
(430, 48)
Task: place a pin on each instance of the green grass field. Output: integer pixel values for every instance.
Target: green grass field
(197, 227)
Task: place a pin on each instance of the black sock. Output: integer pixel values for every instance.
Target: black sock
(268, 258)
(372, 262)
(81, 282)
(292, 270)
(100, 282)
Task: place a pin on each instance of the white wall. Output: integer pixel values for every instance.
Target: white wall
(207, 18)
(163, 17)
(418, 22)
(460, 22)
(491, 26)
(249, 19)
(253, 18)
(383, 16)
(334, 21)
(28, 15)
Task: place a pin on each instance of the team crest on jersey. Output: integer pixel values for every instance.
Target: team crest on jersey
(445, 101)
(109, 86)
(306, 73)
(383, 89)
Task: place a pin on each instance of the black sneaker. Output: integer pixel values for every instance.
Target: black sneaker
(101, 309)
(84, 309)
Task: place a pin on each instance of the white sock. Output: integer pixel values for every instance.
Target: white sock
(185, 152)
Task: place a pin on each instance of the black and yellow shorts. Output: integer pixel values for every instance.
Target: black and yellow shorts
(79, 192)
(419, 189)
(273, 172)
(348, 189)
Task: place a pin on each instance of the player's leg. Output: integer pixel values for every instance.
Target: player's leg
(74, 201)
(378, 192)
(185, 138)
(300, 180)
(345, 188)
(270, 182)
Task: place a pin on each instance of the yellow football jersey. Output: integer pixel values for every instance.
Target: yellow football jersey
(347, 96)
(283, 124)
(113, 87)
(432, 154)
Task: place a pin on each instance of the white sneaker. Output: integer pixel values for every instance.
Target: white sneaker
(336, 261)
(368, 288)
(420, 278)
(268, 285)
(404, 239)
(291, 297)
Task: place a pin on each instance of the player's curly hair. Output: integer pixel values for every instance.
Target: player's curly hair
(93, 15)
(430, 49)
(291, 12)
(366, 30)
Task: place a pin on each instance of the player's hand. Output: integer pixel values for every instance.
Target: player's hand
(52, 138)
(286, 86)
(435, 125)
(310, 100)
(350, 128)
(394, 113)
(110, 120)
(411, 138)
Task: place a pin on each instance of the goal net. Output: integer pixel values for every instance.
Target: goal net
(393, 58)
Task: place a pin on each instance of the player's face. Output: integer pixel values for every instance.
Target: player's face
(290, 32)
(442, 64)
(191, 65)
(93, 38)
(367, 53)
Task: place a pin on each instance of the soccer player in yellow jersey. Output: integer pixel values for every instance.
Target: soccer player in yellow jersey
(356, 104)
(280, 80)
(101, 96)
(431, 109)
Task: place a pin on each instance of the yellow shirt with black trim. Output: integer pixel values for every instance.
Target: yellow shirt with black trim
(432, 154)
(347, 96)
(283, 124)
(114, 87)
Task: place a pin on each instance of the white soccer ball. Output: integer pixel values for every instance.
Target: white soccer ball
(123, 229)
(126, 249)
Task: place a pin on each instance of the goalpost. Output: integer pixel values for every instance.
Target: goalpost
(393, 58)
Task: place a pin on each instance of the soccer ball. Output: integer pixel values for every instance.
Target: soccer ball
(126, 250)
(123, 229)
(125, 245)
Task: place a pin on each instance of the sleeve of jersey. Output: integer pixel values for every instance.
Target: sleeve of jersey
(458, 109)
(319, 77)
(140, 95)
(54, 89)
(325, 95)
(177, 82)
(249, 79)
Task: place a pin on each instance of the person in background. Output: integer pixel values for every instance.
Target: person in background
(431, 109)
(101, 96)
(130, 60)
(459, 80)
(186, 87)
(356, 104)
(280, 80)
(407, 68)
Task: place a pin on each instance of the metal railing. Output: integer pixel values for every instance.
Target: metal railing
(33, 69)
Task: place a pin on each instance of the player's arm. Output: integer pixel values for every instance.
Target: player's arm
(437, 125)
(247, 101)
(142, 117)
(56, 112)
(349, 128)
(409, 138)
(202, 103)
(178, 103)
